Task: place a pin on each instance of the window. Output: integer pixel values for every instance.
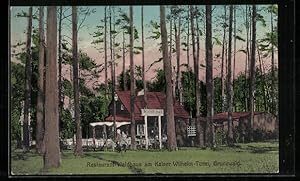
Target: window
(140, 130)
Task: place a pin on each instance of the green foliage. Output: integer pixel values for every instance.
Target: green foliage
(261, 19)
(138, 81)
(17, 96)
(67, 125)
(217, 41)
(85, 62)
(237, 37)
(92, 109)
(159, 83)
(67, 88)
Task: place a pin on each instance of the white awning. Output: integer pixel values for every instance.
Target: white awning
(118, 124)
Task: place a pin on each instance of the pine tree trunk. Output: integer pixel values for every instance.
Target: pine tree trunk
(51, 138)
(170, 55)
(274, 103)
(124, 69)
(78, 149)
(252, 71)
(263, 80)
(188, 52)
(132, 81)
(28, 73)
(196, 80)
(114, 75)
(60, 100)
(247, 59)
(229, 82)
(234, 52)
(209, 78)
(143, 58)
(188, 40)
(178, 76)
(172, 144)
(105, 56)
(222, 65)
(40, 113)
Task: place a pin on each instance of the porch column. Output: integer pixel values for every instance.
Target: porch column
(146, 131)
(94, 137)
(159, 131)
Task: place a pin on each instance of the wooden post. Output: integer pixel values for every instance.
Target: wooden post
(94, 137)
(159, 131)
(146, 131)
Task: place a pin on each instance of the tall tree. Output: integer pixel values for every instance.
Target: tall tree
(222, 64)
(170, 17)
(51, 138)
(252, 71)
(28, 73)
(172, 145)
(209, 78)
(234, 54)
(40, 98)
(177, 44)
(78, 148)
(196, 78)
(143, 58)
(60, 85)
(229, 81)
(272, 9)
(132, 79)
(105, 55)
(124, 63)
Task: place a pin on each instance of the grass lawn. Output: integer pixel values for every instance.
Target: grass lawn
(243, 158)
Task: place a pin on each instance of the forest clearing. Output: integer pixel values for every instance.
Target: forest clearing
(141, 89)
(244, 158)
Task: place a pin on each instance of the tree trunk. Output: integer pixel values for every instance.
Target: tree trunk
(252, 71)
(40, 113)
(172, 145)
(78, 148)
(51, 138)
(229, 82)
(114, 74)
(263, 80)
(170, 55)
(247, 58)
(28, 73)
(222, 65)
(178, 76)
(124, 69)
(273, 100)
(196, 80)
(188, 40)
(209, 78)
(132, 81)
(60, 100)
(105, 56)
(143, 58)
(234, 52)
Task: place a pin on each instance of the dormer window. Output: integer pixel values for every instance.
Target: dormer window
(122, 107)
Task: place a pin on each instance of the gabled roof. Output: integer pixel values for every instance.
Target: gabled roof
(155, 100)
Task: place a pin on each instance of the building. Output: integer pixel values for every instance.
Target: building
(151, 124)
(265, 125)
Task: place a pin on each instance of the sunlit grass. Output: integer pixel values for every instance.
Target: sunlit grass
(243, 158)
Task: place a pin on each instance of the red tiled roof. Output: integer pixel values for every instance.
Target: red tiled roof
(235, 115)
(155, 100)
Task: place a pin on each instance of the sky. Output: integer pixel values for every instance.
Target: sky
(85, 37)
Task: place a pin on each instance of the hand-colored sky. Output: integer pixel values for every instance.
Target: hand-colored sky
(18, 28)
